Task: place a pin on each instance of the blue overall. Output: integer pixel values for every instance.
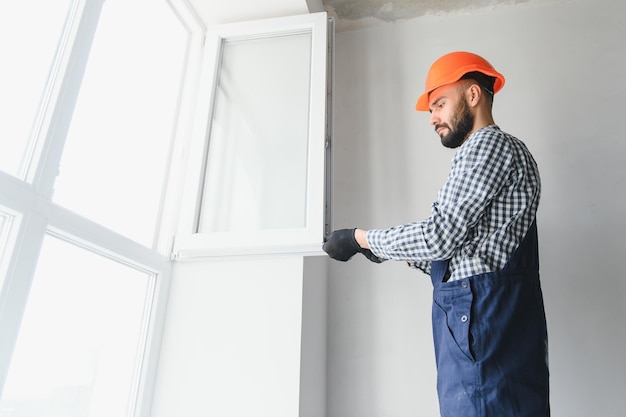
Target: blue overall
(491, 342)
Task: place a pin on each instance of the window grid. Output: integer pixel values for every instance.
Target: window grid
(31, 215)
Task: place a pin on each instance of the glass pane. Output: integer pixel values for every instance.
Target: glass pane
(6, 223)
(81, 338)
(257, 159)
(115, 159)
(29, 33)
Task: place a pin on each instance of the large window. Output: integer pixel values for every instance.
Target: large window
(124, 118)
(27, 65)
(76, 354)
(91, 95)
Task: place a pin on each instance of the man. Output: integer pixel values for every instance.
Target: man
(479, 245)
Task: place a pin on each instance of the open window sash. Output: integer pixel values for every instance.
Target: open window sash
(257, 173)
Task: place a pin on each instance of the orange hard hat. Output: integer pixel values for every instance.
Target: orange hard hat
(450, 68)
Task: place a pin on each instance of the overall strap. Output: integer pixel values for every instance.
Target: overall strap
(526, 256)
(439, 272)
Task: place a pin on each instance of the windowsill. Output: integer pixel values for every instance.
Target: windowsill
(216, 254)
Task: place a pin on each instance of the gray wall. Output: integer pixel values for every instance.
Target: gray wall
(565, 63)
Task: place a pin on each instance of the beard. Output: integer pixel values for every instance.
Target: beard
(461, 125)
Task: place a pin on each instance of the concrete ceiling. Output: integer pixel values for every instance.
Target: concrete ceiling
(348, 14)
(355, 14)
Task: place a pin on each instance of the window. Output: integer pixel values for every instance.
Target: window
(25, 73)
(117, 147)
(257, 159)
(256, 182)
(93, 92)
(84, 323)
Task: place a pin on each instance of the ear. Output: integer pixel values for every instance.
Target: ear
(474, 94)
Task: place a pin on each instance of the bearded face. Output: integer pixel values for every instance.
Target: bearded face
(460, 126)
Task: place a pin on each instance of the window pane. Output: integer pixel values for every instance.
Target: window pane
(80, 341)
(256, 174)
(29, 33)
(115, 158)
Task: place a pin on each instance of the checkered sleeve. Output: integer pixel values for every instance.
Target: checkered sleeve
(480, 169)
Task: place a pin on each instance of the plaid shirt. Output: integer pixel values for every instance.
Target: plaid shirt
(481, 215)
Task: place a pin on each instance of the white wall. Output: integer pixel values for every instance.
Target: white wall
(564, 63)
(244, 337)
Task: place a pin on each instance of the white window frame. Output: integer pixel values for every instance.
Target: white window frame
(189, 243)
(37, 216)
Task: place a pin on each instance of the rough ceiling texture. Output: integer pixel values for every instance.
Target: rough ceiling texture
(355, 14)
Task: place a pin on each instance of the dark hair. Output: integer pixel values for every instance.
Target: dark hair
(484, 81)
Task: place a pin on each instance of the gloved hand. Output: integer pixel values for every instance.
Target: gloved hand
(342, 245)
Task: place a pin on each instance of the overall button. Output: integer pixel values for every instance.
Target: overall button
(463, 318)
(464, 284)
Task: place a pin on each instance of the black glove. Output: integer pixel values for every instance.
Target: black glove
(342, 245)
